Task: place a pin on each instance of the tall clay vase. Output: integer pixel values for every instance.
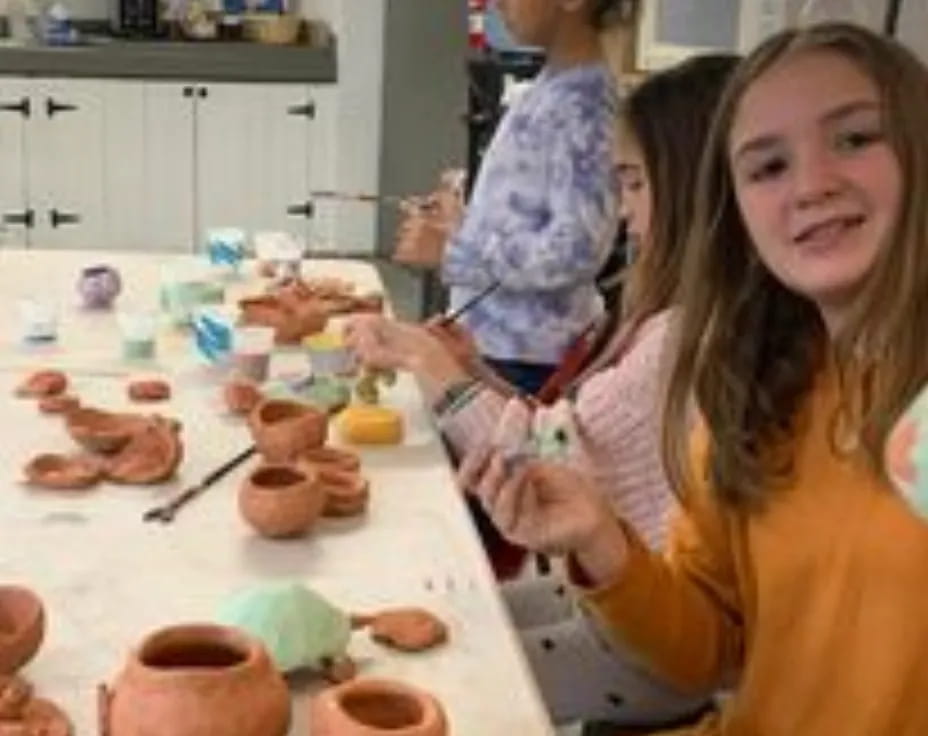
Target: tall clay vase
(283, 430)
(22, 627)
(194, 680)
(281, 501)
(374, 707)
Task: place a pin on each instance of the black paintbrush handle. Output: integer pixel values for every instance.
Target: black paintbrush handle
(470, 303)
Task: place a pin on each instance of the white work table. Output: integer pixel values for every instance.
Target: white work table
(107, 579)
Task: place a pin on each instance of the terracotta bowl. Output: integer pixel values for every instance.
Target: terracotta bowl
(333, 457)
(283, 430)
(22, 627)
(100, 431)
(63, 471)
(375, 707)
(281, 501)
(346, 492)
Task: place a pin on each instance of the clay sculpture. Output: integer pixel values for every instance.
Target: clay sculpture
(291, 320)
(101, 431)
(63, 471)
(406, 629)
(151, 455)
(241, 396)
(99, 286)
(197, 679)
(281, 501)
(376, 707)
(43, 383)
(22, 714)
(283, 429)
(149, 390)
(22, 627)
(58, 404)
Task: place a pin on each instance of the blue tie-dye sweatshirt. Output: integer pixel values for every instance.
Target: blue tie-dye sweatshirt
(541, 219)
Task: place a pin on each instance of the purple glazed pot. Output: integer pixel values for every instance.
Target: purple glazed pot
(99, 286)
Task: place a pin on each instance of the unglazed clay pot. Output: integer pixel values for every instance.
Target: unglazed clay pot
(99, 286)
(59, 404)
(101, 431)
(63, 471)
(346, 492)
(198, 680)
(22, 626)
(149, 390)
(152, 454)
(43, 383)
(283, 429)
(374, 707)
(333, 457)
(241, 396)
(281, 501)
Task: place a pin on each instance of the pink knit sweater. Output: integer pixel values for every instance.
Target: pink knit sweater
(617, 412)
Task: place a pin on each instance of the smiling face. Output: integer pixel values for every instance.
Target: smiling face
(817, 183)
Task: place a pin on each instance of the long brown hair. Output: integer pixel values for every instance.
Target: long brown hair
(749, 348)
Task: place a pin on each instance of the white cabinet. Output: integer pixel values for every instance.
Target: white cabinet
(16, 213)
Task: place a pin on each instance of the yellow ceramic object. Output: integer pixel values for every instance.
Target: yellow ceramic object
(365, 424)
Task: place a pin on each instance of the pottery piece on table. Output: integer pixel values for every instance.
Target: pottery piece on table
(43, 383)
(22, 714)
(299, 628)
(333, 457)
(281, 501)
(63, 472)
(101, 431)
(376, 707)
(22, 627)
(197, 680)
(371, 425)
(152, 454)
(347, 492)
(291, 321)
(406, 629)
(241, 396)
(149, 390)
(99, 286)
(283, 430)
(59, 404)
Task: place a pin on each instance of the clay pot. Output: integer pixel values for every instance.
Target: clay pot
(152, 454)
(198, 679)
(60, 404)
(22, 627)
(241, 396)
(375, 707)
(284, 429)
(99, 286)
(63, 471)
(43, 383)
(149, 390)
(21, 714)
(281, 501)
(333, 457)
(101, 431)
(346, 492)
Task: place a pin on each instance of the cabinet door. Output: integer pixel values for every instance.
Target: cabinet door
(64, 140)
(15, 114)
(168, 213)
(323, 139)
(252, 156)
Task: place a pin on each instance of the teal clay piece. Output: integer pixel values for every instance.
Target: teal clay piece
(328, 393)
(299, 628)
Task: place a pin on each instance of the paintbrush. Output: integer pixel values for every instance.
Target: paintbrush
(384, 199)
(455, 315)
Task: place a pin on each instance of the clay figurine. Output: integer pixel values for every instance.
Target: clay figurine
(43, 383)
(151, 455)
(281, 501)
(283, 430)
(406, 629)
(194, 680)
(292, 321)
(99, 286)
(59, 404)
(376, 707)
(63, 471)
(149, 390)
(241, 396)
(22, 714)
(22, 627)
(101, 431)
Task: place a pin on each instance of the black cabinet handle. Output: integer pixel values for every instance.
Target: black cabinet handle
(58, 218)
(188, 91)
(26, 217)
(23, 107)
(308, 110)
(202, 92)
(307, 210)
(52, 107)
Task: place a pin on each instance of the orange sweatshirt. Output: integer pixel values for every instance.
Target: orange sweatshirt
(818, 604)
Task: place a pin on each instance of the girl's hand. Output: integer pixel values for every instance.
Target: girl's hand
(456, 339)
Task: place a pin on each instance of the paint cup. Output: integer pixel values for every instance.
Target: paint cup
(138, 330)
(38, 320)
(251, 352)
(328, 355)
(225, 249)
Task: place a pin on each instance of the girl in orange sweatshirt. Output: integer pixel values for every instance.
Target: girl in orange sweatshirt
(795, 570)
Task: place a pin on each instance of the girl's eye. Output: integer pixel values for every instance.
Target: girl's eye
(767, 169)
(854, 140)
(632, 185)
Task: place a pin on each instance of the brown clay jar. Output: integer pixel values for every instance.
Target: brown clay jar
(375, 707)
(22, 627)
(281, 501)
(198, 679)
(283, 430)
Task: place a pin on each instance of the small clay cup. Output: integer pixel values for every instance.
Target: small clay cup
(375, 707)
(283, 429)
(101, 431)
(22, 627)
(346, 492)
(333, 457)
(281, 501)
(198, 680)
